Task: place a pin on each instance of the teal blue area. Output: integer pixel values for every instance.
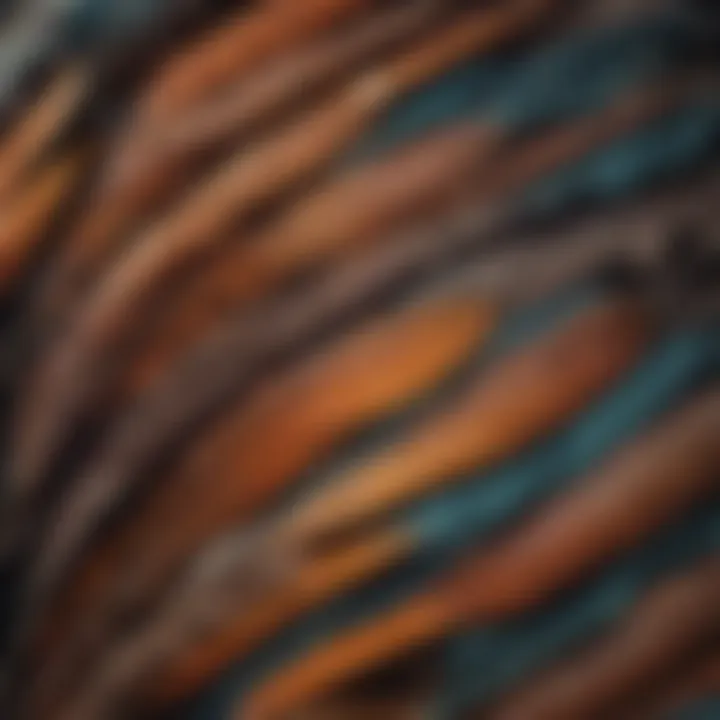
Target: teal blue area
(526, 325)
(90, 23)
(587, 70)
(482, 664)
(564, 78)
(706, 709)
(458, 94)
(628, 165)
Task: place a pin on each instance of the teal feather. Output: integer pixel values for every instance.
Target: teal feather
(563, 79)
(587, 70)
(458, 94)
(93, 23)
(482, 664)
(668, 147)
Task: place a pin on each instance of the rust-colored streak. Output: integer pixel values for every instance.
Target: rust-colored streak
(647, 485)
(222, 57)
(394, 634)
(314, 584)
(35, 131)
(528, 395)
(240, 45)
(27, 215)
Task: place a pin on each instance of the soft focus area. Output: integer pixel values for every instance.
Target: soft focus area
(359, 360)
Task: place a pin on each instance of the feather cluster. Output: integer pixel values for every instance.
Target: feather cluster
(360, 359)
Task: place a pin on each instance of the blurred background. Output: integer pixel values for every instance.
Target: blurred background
(359, 359)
